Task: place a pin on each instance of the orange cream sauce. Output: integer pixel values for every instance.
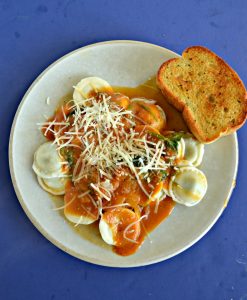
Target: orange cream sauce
(79, 206)
(174, 121)
(150, 90)
(147, 225)
(130, 191)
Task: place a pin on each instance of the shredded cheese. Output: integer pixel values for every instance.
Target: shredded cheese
(108, 142)
(127, 229)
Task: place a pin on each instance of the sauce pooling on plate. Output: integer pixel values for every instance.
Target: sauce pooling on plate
(121, 158)
(150, 90)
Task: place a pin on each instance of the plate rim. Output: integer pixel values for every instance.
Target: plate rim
(57, 243)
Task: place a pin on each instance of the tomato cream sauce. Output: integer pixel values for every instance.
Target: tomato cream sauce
(150, 90)
(128, 190)
(174, 121)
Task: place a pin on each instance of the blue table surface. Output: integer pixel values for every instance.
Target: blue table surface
(36, 33)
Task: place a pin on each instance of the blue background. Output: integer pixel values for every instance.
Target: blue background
(34, 34)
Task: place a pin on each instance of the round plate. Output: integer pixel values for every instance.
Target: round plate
(121, 63)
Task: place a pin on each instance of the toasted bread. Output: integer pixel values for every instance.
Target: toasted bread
(208, 92)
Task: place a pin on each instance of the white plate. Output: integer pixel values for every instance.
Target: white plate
(121, 63)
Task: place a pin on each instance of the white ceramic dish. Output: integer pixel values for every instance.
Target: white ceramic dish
(121, 63)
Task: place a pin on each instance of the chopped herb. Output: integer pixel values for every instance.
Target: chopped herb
(163, 174)
(170, 140)
(139, 161)
(159, 136)
(70, 158)
(173, 141)
(148, 110)
(68, 155)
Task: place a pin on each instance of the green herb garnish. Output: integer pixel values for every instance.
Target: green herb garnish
(163, 174)
(68, 155)
(137, 161)
(170, 140)
(148, 110)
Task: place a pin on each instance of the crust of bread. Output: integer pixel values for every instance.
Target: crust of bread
(187, 114)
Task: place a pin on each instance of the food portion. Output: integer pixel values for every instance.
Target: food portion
(190, 151)
(120, 226)
(48, 163)
(188, 186)
(89, 87)
(118, 163)
(210, 95)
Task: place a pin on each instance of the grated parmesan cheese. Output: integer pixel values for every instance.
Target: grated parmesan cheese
(108, 142)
